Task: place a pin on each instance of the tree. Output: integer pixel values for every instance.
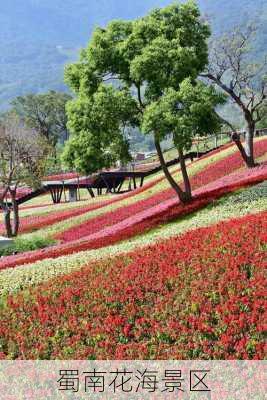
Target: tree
(136, 73)
(98, 123)
(186, 113)
(23, 154)
(45, 113)
(244, 82)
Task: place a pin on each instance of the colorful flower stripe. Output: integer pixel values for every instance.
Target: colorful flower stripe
(248, 201)
(134, 225)
(168, 211)
(33, 206)
(198, 296)
(61, 177)
(72, 221)
(152, 186)
(209, 174)
(29, 224)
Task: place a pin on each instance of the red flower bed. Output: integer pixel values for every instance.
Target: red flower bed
(209, 174)
(168, 211)
(197, 296)
(29, 224)
(142, 221)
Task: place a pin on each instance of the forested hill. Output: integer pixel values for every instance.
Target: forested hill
(37, 37)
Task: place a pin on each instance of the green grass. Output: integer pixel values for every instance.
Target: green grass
(21, 245)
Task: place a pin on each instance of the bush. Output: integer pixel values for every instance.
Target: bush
(21, 245)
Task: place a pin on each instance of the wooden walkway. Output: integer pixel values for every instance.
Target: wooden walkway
(110, 182)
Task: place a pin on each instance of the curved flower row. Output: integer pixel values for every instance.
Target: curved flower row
(197, 296)
(247, 201)
(61, 177)
(154, 185)
(213, 172)
(29, 224)
(170, 210)
(141, 221)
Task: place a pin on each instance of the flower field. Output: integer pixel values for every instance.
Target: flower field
(209, 174)
(142, 221)
(170, 281)
(93, 216)
(199, 295)
(247, 201)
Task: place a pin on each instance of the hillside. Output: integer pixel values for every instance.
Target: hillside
(38, 37)
(140, 276)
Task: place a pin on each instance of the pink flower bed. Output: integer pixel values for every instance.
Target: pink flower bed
(61, 177)
(209, 174)
(144, 220)
(21, 192)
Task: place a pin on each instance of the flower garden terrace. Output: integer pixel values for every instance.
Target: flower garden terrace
(141, 276)
(111, 181)
(99, 222)
(68, 186)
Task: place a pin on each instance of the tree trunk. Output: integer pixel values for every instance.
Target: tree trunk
(249, 148)
(236, 139)
(187, 184)
(7, 218)
(15, 207)
(183, 197)
(247, 152)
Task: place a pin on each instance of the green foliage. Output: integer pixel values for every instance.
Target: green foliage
(152, 63)
(263, 123)
(21, 245)
(187, 113)
(96, 123)
(45, 113)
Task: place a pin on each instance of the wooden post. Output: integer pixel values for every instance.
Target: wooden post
(73, 194)
(64, 189)
(79, 194)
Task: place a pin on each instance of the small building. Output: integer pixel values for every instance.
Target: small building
(140, 157)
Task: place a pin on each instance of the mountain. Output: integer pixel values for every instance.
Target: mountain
(38, 37)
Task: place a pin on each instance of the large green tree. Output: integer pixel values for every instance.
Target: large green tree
(98, 121)
(142, 73)
(45, 113)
